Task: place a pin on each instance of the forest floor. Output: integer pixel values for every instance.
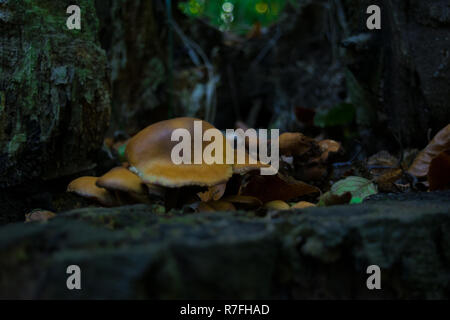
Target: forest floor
(140, 252)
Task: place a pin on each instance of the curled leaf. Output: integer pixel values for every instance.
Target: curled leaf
(213, 193)
(439, 144)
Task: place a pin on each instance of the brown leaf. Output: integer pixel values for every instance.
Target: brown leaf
(439, 172)
(439, 144)
(244, 202)
(277, 187)
(331, 199)
(386, 180)
(222, 205)
(213, 193)
(39, 215)
(382, 158)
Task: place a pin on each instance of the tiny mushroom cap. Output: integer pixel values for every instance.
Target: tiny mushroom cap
(149, 154)
(86, 187)
(329, 147)
(121, 179)
(277, 205)
(303, 205)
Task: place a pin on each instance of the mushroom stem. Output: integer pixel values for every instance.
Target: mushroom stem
(171, 198)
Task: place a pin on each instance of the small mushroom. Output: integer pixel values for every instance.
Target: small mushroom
(295, 144)
(328, 148)
(86, 187)
(277, 205)
(303, 205)
(127, 186)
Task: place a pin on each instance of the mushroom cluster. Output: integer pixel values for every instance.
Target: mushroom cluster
(149, 172)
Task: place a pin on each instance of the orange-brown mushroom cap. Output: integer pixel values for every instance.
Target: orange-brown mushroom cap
(121, 179)
(149, 155)
(86, 187)
(295, 144)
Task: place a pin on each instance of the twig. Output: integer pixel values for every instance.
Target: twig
(194, 52)
(272, 42)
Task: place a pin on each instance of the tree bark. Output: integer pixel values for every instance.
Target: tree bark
(55, 98)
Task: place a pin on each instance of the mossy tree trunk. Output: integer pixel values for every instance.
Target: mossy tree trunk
(54, 91)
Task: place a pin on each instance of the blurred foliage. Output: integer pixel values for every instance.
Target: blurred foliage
(341, 115)
(238, 16)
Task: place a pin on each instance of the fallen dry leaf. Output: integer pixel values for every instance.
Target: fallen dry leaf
(39, 215)
(439, 172)
(277, 187)
(213, 193)
(244, 202)
(386, 181)
(222, 205)
(330, 199)
(439, 144)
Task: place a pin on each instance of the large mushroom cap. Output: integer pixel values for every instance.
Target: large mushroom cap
(86, 187)
(149, 155)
